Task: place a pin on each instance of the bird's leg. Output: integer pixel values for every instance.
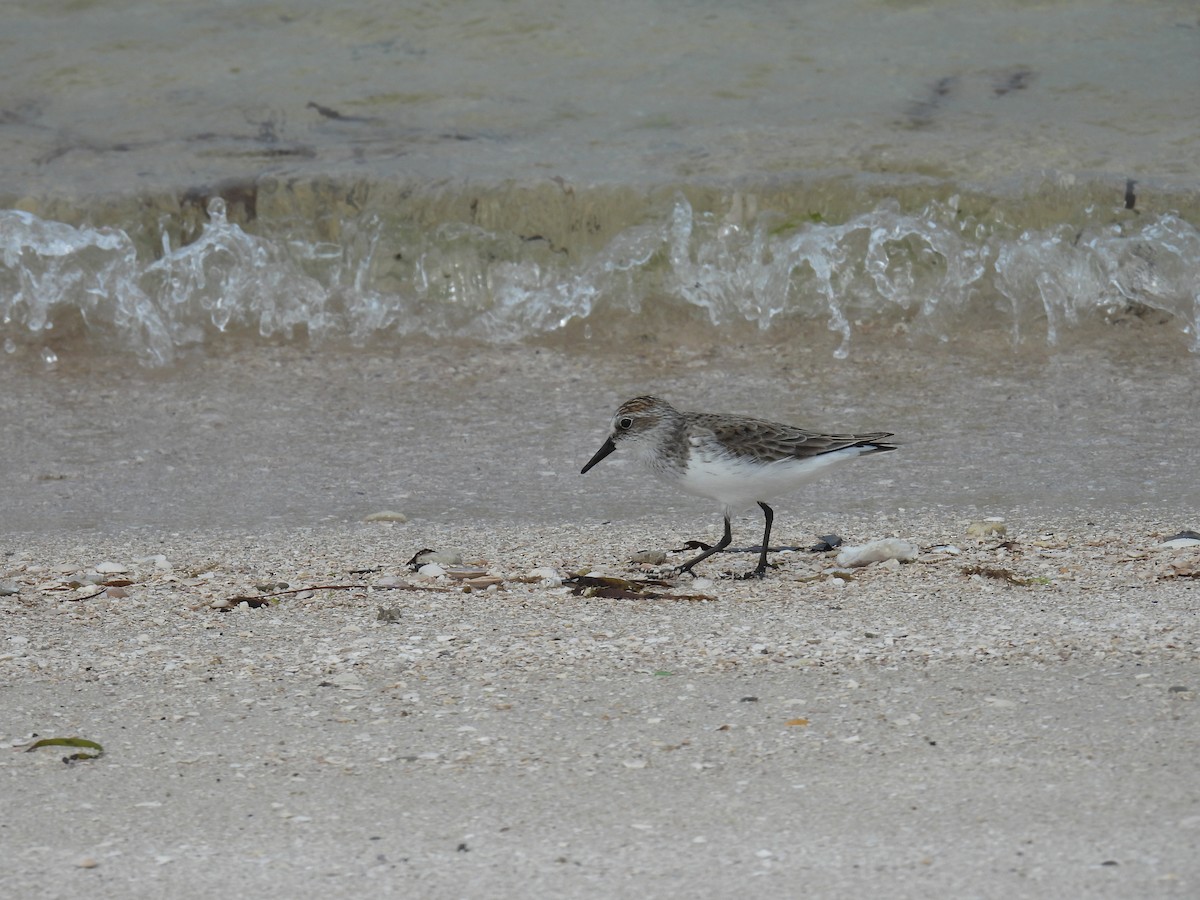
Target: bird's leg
(716, 548)
(761, 569)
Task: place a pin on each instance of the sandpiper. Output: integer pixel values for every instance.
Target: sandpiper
(734, 460)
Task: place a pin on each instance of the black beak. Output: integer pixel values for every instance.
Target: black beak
(606, 448)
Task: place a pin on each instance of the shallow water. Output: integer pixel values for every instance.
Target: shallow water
(272, 264)
(129, 97)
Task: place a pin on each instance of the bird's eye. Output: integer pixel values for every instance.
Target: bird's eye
(624, 423)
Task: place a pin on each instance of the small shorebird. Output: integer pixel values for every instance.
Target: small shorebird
(734, 460)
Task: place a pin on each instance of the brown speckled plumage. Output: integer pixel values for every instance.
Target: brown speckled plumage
(736, 460)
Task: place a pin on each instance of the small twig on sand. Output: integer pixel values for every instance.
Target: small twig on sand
(259, 599)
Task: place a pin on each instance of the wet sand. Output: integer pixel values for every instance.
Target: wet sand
(1017, 718)
(1009, 715)
(253, 438)
(1014, 718)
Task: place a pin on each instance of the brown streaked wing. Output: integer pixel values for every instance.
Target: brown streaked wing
(770, 441)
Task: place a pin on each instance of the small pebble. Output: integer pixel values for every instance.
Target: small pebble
(347, 681)
(987, 528)
(441, 557)
(1178, 543)
(649, 557)
(547, 574)
(386, 515)
(483, 581)
(391, 581)
(949, 549)
(825, 543)
(877, 551)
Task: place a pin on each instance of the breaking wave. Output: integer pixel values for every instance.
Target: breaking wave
(938, 270)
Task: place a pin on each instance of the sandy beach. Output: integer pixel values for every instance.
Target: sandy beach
(1012, 714)
(289, 294)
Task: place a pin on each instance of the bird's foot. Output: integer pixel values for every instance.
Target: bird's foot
(744, 576)
(758, 572)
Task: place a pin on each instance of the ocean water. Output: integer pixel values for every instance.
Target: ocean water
(936, 270)
(476, 223)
